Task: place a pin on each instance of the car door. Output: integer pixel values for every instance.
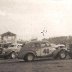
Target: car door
(37, 49)
(45, 49)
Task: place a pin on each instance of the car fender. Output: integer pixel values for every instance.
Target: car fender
(56, 52)
(23, 54)
(30, 52)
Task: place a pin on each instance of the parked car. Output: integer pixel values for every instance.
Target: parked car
(8, 50)
(40, 49)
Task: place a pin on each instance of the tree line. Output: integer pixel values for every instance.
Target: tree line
(61, 40)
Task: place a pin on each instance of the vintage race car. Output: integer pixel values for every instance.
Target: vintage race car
(40, 49)
(8, 50)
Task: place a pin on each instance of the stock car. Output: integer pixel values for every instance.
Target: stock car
(41, 49)
(8, 50)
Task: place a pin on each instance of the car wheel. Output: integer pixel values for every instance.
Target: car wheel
(13, 55)
(62, 54)
(29, 57)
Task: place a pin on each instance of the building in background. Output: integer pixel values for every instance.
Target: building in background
(8, 37)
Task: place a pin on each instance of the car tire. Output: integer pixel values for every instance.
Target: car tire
(62, 54)
(29, 57)
(13, 55)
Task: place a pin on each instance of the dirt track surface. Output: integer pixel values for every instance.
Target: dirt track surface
(36, 66)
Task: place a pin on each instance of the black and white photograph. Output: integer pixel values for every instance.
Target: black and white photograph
(35, 36)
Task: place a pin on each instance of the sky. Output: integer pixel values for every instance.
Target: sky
(28, 18)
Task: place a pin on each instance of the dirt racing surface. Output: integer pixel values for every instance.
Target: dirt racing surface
(36, 66)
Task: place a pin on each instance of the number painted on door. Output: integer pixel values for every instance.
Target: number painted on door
(46, 51)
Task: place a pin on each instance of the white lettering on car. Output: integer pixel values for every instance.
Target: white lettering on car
(46, 51)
